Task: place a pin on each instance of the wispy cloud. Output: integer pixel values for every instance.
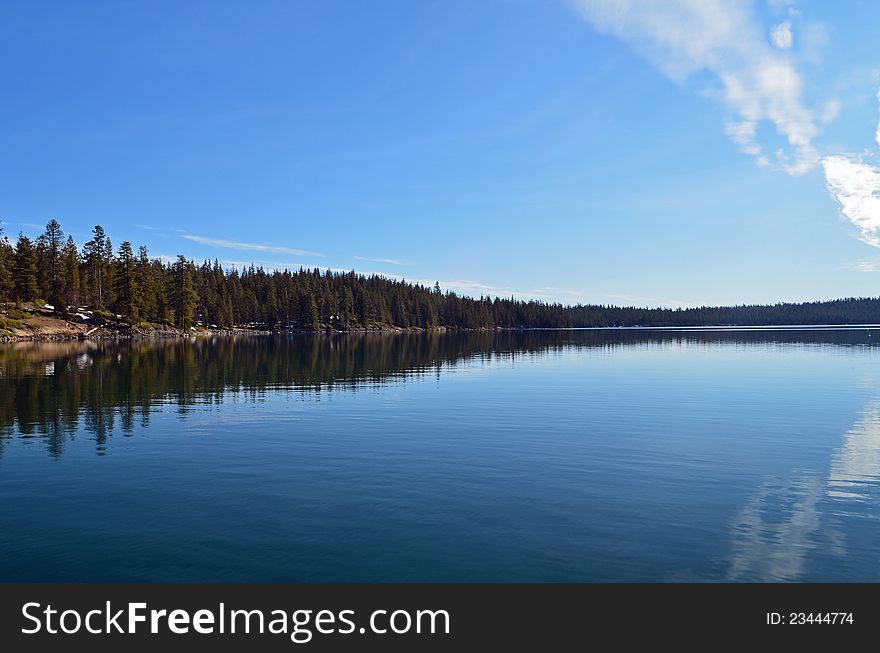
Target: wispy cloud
(560, 291)
(253, 247)
(638, 300)
(758, 83)
(389, 261)
(780, 35)
(544, 294)
(465, 287)
(272, 265)
(469, 287)
(277, 265)
(461, 286)
(855, 185)
(867, 266)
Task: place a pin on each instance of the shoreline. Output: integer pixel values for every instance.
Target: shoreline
(42, 325)
(138, 333)
(111, 334)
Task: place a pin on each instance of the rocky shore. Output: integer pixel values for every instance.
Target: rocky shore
(34, 323)
(41, 323)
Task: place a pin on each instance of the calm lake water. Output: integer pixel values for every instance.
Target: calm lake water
(540, 456)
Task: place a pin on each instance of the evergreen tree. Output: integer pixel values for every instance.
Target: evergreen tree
(53, 238)
(181, 293)
(96, 266)
(183, 296)
(107, 257)
(147, 283)
(42, 252)
(71, 264)
(347, 316)
(314, 322)
(25, 269)
(127, 291)
(7, 285)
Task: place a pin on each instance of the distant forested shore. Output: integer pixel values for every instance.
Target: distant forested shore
(98, 283)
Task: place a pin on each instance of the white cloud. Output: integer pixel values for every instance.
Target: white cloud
(780, 36)
(457, 285)
(389, 261)
(280, 266)
(473, 288)
(461, 286)
(867, 266)
(654, 302)
(758, 84)
(271, 265)
(561, 291)
(856, 187)
(467, 286)
(254, 247)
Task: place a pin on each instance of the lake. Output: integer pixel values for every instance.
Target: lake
(511, 456)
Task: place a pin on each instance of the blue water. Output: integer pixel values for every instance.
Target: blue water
(542, 456)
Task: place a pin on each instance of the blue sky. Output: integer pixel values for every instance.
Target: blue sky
(580, 151)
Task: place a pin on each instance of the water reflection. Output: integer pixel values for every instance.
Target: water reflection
(780, 528)
(560, 456)
(48, 390)
(774, 534)
(855, 467)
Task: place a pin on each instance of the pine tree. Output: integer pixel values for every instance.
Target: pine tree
(309, 299)
(347, 317)
(70, 258)
(183, 296)
(53, 238)
(109, 299)
(126, 287)
(313, 316)
(42, 251)
(93, 256)
(147, 283)
(7, 285)
(25, 269)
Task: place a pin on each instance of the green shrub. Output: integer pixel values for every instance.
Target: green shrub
(8, 324)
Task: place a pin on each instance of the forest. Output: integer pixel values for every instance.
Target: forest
(52, 269)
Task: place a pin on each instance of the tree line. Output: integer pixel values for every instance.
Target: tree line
(54, 270)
